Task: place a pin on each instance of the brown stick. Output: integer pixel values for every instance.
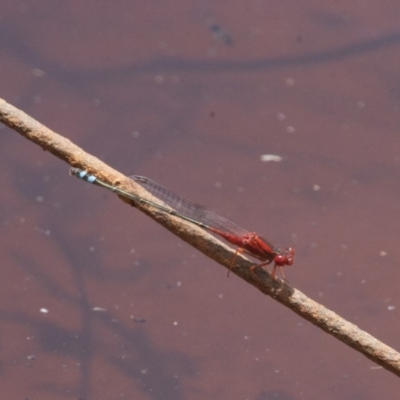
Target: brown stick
(317, 314)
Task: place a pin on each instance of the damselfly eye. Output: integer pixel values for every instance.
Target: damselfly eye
(280, 260)
(289, 255)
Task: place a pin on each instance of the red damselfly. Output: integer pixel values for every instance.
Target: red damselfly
(247, 242)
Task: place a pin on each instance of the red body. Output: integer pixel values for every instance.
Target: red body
(258, 247)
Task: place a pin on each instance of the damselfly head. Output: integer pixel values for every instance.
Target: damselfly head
(284, 258)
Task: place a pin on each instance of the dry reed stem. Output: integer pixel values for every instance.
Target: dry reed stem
(310, 310)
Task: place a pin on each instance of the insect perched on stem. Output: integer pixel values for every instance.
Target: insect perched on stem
(247, 242)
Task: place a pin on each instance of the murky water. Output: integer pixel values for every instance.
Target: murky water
(283, 117)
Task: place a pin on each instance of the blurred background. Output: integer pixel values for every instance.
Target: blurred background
(282, 116)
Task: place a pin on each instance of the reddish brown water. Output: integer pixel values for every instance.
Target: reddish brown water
(192, 96)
